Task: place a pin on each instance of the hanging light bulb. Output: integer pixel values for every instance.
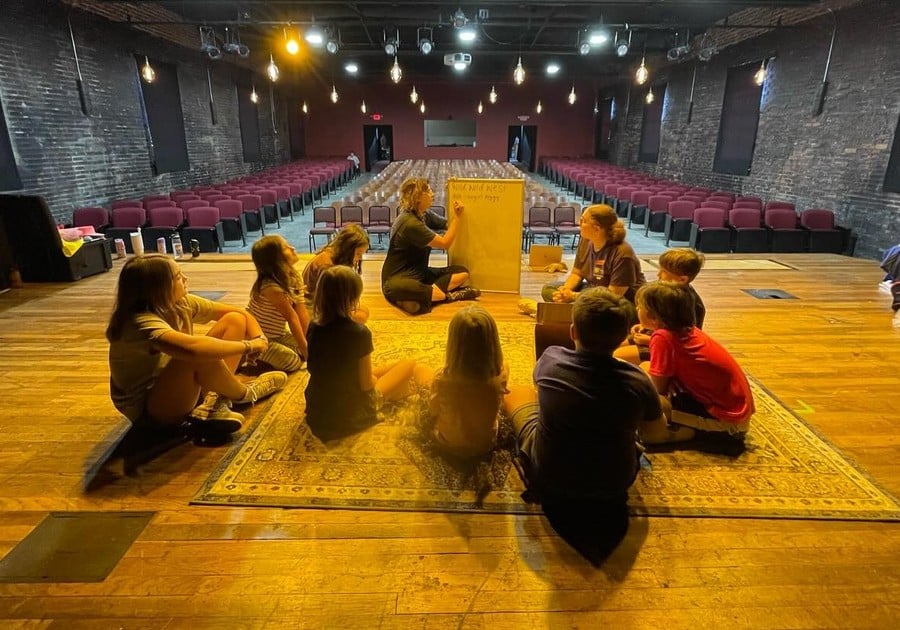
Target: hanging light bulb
(642, 73)
(572, 95)
(147, 71)
(304, 108)
(290, 43)
(362, 107)
(334, 94)
(539, 108)
(254, 97)
(272, 70)
(492, 97)
(760, 77)
(519, 73)
(596, 107)
(414, 96)
(422, 107)
(480, 108)
(396, 72)
(650, 98)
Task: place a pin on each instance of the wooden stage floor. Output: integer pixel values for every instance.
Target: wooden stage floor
(831, 355)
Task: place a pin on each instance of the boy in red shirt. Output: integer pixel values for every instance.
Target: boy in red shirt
(703, 388)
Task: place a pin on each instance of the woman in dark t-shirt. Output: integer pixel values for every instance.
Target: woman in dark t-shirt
(406, 279)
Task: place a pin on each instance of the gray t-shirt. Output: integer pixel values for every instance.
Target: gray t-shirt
(613, 265)
(134, 360)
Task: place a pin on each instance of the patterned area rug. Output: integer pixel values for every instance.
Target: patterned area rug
(787, 470)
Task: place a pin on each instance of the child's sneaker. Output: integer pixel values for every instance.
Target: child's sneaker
(463, 293)
(214, 415)
(264, 385)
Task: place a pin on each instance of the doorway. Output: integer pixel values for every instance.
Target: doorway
(379, 143)
(521, 148)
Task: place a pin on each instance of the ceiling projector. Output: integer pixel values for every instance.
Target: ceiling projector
(457, 59)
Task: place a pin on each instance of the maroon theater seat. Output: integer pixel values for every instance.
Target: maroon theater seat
(657, 209)
(94, 216)
(747, 231)
(205, 226)
(252, 205)
(822, 235)
(679, 219)
(784, 233)
(708, 231)
(126, 203)
(233, 219)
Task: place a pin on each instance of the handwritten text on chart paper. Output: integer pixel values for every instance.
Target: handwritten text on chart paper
(480, 191)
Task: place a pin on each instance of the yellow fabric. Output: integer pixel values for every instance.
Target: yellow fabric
(70, 247)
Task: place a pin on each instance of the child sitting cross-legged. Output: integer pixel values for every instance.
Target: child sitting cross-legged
(703, 388)
(344, 389)
(466, 393)
(679, 265)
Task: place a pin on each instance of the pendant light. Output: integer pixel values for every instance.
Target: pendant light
(422, 107)
(363, 107)
(760, 76)
(650, 98)
(254, 97)
(304, 108)
(334, 94)
(519, 72)
(642, 73)
(572, 95)
(396, 72)
(539, 107)
(492, 97)
(414, 96)
(147, 71)
(480, 108)
(272, 70)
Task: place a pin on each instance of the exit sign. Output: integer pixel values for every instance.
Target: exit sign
(376, 116)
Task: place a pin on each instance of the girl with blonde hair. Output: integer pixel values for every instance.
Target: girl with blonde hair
(466, 393)
(276, 301)
(345, 390)
(159, 367)
(406, 279)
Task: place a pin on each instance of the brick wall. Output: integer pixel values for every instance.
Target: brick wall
(836, 160)
(75, 160)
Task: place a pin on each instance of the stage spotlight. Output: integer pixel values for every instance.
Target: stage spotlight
(459, 18)
(333, 43)
(208, 43)
(552, 68)
(622, 46)
(584, 48)
(351, 67)
(425, 36)
(233, 43)
(467, 34)
(598, 37)
(315, 36)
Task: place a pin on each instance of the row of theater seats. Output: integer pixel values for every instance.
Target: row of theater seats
(214, 214)
(714, 221)
(375, 219)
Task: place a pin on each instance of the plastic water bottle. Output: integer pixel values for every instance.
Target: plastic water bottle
(177, 247)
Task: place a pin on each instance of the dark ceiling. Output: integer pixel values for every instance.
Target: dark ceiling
(538, 31)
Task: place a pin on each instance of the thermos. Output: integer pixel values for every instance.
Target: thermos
(161, 245)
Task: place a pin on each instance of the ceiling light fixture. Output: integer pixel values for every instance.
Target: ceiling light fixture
(333, 43)
(362, 107)
(642, 73)
(598, 37)
(492, 97)
(480, 108)
(552, 68)
(272, 70)
(396, 72)
(596, 107)
(650, 98)
(254, 97)
(422, 107)
(459, 18)
(304, 108)
(519, 72)
(315, 36)
(584, 48)
(414, 96)
(467, 34)
(208, 43)
(351, 67)
(622, 45)
(539, 108)
(147, 71)
(572, 96)
(291, 45)
(425, 36)
(334, 95)
(392, 44)
(233, 43)
(760, 76)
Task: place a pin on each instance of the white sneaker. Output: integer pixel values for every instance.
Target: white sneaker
(263, 385)
(216, 416)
